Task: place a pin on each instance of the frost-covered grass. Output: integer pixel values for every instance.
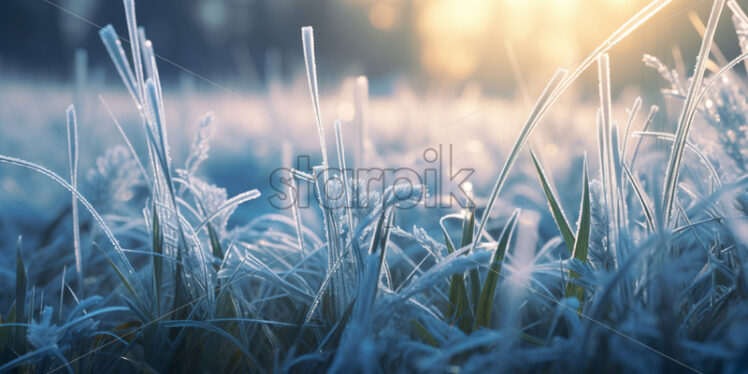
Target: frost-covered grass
(620, 252)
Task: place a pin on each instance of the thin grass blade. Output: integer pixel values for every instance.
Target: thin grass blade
(554, 205)
(687, 113)
(72, 132)
(485, 302)
(583, 239)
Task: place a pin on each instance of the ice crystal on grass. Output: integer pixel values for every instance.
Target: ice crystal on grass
(344, 287)
(44, 333)
(113, 180)
(599, 251)
(201, 144)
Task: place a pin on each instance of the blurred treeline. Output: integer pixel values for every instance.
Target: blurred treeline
(430, 43)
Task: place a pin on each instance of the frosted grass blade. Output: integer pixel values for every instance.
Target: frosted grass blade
(307, 36)
(346, 195)
(632, 115)
(650, 119)
(117, 54)
(232, 202)
(702, 157)
(361, 102)
(616, 162)
(611, 180)
(641, 196)
(146, 50)
(714, 78)
(96, 216)
(80, 76)
(603, 71)
(72, 132)
(132, 29)
(127, 142)
(621, 33)
(297, 216)
(343, 173)
(554, 90)
(687, 114)
(532, 120)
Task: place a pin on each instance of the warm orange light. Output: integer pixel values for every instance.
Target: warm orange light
(458, 36)
(382, 16)
(451, 31)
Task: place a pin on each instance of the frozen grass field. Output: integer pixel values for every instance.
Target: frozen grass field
(152, 227)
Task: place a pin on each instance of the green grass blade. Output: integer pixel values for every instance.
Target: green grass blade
(424, 333)
(158, 248)
(448, 242)
(215, 243)
(454, 292)
(122, 277)
(458, 302)
(96, 216)
(583, 231)
(333, 337)
(485, 302)
(458, 309)
(556, 210)
(468, 226)
(20, 295)
(555, 83)
(463, 315)
(583, 238)
(558, 84)
(20, 283)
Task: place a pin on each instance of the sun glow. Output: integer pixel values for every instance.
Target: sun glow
(457, 36)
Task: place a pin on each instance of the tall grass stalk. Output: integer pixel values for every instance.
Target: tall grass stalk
(307, 37)
(96, 216)
(633, 113)
(738, 12)
(146, 48)
(621, 33)
(72, 132)
(361, 106)
(344, 176)
(293, 192)
(558, 84)
(554, 84)
(132, 30)
(687, 113)
(717, 184)
(650, 119)
(126, 139)
(114, 47)
(608, 158)
(81, 81)
(582, 238)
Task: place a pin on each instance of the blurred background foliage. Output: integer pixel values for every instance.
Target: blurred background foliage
(442, 44)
